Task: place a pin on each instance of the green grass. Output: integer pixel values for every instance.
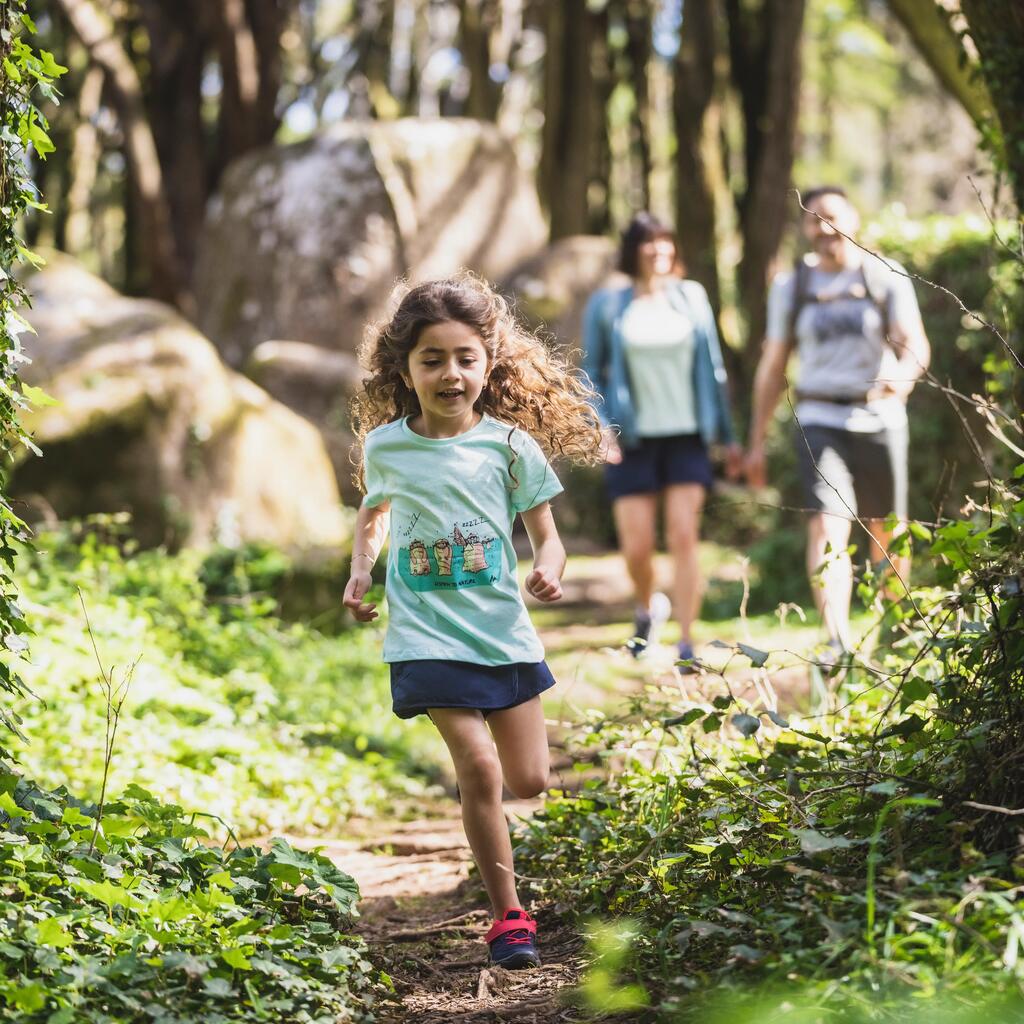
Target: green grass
(268, 725)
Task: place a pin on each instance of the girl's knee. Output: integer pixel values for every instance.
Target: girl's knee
(479, 773)
(528, 781)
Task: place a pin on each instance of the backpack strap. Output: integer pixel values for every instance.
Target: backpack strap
(877, 285)
(801, 295)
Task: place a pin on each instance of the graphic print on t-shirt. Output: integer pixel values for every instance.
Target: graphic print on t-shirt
(837, 320)
(469, 556)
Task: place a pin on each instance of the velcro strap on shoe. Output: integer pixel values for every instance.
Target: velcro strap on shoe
(500, 927)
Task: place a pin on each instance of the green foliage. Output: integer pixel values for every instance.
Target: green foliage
(853, 861)
(268, 725)
(24, 75)
(159, 925)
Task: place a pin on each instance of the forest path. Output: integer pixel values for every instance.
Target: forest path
(424, 920)
(423, 916)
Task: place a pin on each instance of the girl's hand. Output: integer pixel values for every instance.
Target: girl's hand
(544, 584)
(358, 584)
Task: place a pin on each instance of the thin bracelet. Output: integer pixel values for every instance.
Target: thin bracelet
(363, 554)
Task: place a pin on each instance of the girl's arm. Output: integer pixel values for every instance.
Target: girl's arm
(544, 581)
(371, 529)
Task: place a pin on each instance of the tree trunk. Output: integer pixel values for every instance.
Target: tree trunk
(371, 74)
(639, 31)
(178, 42)
(602, 72)
(155, 236)
(928, 26)
(85, 157)
(764, 48)
(248, 37)
(692, 101)
(997, 28)
(476, 23)
(568, 117)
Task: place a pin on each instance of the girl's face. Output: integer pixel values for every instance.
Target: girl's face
(447, 370)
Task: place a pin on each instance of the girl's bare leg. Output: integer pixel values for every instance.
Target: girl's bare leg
(522, 740)
(478, 771)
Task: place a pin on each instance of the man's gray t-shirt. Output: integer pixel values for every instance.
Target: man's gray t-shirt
(841, 344)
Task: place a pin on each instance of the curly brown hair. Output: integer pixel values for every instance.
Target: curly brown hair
(529, 385)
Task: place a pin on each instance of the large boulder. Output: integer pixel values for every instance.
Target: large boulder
(551, 287)
(317, 384)
(306, 241)
(148, 418)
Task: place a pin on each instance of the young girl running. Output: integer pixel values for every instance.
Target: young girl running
(449, 423)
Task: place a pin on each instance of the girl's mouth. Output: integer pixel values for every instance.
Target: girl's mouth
(450, 394)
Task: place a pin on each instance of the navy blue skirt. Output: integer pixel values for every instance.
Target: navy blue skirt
(659, 462)
(417, 686)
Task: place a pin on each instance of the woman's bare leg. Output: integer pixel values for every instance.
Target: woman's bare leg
(683, 505)
(635, 518)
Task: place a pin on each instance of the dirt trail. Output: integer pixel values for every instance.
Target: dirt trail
(425, 919)
(423, 916)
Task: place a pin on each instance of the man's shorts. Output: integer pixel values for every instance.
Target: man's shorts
(851, 474)
(658, 462)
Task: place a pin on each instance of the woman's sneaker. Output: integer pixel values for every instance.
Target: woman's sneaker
(512, 941)
(647, 624)
(686, 661)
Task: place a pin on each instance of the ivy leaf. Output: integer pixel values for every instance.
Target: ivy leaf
(746, 953)
(915, 688)
(812, 841)
(52, 933)
(757, 657)
(236, 958)
(37, 396)
(687, 718)
(907, 727)
(747, 724)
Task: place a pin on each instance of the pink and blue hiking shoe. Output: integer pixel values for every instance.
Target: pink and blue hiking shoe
(512, 941)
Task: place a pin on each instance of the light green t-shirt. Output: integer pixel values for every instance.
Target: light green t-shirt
(658, 343)
(451, 583)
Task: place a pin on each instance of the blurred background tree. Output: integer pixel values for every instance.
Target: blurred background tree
(704, 112)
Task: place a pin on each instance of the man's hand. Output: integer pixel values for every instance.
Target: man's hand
(610, 449)
(899, 385)
(358, 584)
(754, 466)
(544, 584)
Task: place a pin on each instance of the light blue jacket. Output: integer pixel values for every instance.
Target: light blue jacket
(604, 361)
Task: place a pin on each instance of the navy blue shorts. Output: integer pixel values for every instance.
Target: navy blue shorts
(658, 462)
(417, 686)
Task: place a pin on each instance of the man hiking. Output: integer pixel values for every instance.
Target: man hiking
(854, 322)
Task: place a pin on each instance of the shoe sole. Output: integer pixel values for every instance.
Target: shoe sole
(517, 961)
